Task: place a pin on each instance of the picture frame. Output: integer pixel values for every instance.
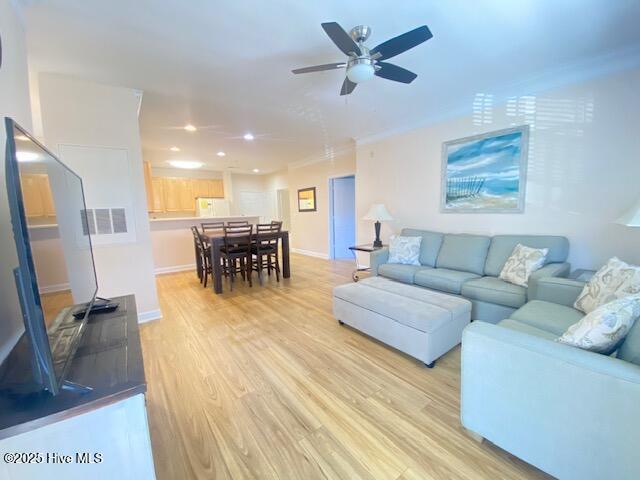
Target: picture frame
(307, 199)
(485, 173)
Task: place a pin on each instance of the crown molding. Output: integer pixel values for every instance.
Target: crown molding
(554, 78)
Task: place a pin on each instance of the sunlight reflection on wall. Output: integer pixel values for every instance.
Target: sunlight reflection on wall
(555, 146)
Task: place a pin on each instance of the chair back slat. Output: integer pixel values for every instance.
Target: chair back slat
(211, 226)
(237, 223)
(267, 234)
(237, 236)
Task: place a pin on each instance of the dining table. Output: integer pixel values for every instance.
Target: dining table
(215, 238)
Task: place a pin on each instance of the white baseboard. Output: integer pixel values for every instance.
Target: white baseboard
(58, 287)
(175, 268)
(149, 316)
(309, 253)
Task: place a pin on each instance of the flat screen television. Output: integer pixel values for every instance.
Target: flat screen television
(55, 276)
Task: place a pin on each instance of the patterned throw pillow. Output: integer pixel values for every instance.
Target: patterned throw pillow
(404, 250)
(522, 263)
(604, 328)
(614, 280)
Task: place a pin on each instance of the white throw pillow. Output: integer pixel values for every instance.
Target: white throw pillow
(604, 328)
(404, 250)
(522, 263)
(616, 279)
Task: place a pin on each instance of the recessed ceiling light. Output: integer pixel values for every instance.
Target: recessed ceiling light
(221, 154)
(256, 170)
(174, 149)
(190, 128)
(188, 164)
(24, 156)
(248, 136)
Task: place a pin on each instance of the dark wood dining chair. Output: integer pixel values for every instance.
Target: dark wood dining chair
(265, 249)
(237, 223)
(211, 226)
(237, 249)
(203, 256)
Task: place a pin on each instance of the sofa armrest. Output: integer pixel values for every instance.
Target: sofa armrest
(550, 403)
(550, 270)
(377, 258)
(562, 291)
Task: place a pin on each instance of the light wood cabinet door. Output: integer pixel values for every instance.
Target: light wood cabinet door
(157, 201)
(171, 194)
(47, 197)
(201, 187)
(216, 188)
(148, 184)
(33, 204)
(36, 192)
(187, 199)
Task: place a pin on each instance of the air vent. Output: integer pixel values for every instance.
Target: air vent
(119, 219)
(103, 221)
(88, 222)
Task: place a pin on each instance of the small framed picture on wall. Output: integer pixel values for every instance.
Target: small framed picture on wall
(307, 199)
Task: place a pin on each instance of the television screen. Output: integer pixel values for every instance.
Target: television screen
(56, 274)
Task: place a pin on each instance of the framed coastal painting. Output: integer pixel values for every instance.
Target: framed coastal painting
(486, 173)
(307, 199)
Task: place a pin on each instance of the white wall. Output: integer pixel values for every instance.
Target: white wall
(14, 102)
(310, 230)
(75, 112)
(584, 165)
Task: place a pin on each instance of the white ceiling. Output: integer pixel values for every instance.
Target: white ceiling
(225, 65)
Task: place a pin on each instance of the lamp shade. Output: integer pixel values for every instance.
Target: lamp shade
(631, 218)
(378, 213)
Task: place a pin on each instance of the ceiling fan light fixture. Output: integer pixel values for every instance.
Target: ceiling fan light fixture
(359, 72)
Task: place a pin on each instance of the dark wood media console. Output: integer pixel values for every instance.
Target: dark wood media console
(108, 359)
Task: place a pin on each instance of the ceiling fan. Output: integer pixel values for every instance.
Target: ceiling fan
(363, 63)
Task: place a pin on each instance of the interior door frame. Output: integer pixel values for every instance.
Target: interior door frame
(330, 180)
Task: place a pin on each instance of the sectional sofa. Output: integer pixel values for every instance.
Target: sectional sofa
(570, 412)
(469, 266)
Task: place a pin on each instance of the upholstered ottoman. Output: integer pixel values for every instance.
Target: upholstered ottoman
(419, 322)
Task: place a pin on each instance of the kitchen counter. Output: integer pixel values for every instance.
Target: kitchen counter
(198, 220)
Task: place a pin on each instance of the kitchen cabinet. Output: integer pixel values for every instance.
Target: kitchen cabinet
(38, 200)
(157, 198)
(178, 194)
(216, 188)
(185, 192)
(148, 184)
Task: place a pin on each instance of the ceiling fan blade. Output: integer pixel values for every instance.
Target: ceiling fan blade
(401, 43)
(320, 68)
(395, 73)
(347, 87)
(341, 38)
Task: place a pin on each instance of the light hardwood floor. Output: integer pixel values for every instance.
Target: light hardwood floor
(263, 383)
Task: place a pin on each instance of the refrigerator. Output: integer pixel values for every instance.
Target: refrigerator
(212, 207)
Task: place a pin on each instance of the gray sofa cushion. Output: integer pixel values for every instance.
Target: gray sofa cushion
(494, 290)
(399, 272)
(550, 317)
(430, 246)
(463, 252)
(630, 349)
(502, 246)
(524, 328)
(442, 279)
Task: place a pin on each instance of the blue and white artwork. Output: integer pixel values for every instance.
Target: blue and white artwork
(486, 173)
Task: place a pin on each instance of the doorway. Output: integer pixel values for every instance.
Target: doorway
(342, 216)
